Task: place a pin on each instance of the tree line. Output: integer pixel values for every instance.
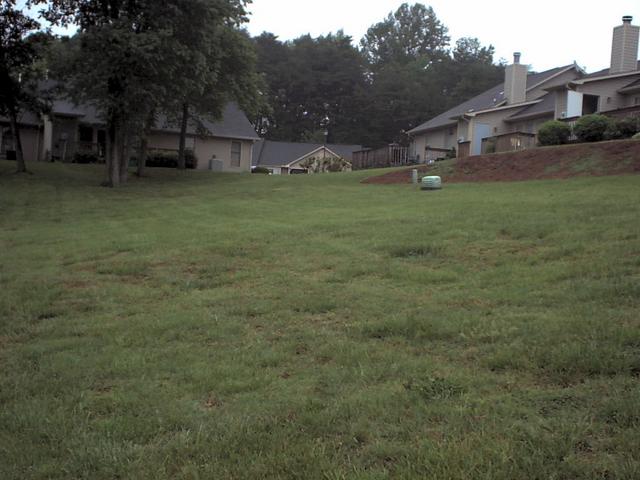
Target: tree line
(134, 60)
(403, 72)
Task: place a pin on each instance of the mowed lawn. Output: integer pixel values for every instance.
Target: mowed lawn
(205, 326)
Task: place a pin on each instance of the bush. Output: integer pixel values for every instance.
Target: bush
(627, 127)
(86, 158)
(169, 159)
(592, 128)
(553, 132)
(636, 136)
(262, 170)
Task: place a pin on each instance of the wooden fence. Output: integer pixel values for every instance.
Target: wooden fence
(389, 156)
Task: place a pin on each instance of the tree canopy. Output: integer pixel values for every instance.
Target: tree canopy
(18, 53)
(138, 58)
(404, 72)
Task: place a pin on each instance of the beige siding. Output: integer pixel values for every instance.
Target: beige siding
(443, 138)
(607, 91)
(530, 126)
(206, 149)
(495, 121)
(220, 149)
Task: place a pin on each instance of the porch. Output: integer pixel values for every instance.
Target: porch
(508, 142)
(392, 155)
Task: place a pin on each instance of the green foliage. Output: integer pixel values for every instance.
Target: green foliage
(403, 74)
(205, 338)
(412, 32)
(620, 128)
(169, 159)
(260, 170)
(636, 136)
(133, 60)
(592, 128)
(554, 132)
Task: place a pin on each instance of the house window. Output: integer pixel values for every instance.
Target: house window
(85, 134)
(236, 153)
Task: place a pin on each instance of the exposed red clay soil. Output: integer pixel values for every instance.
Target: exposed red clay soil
(591, 159)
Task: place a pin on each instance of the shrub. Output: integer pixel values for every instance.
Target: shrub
(628, 126)
(553, 132)
(86, 158)
(592, 128)
(636, 136)
(169, 159)
(451, 153)
(262, 170)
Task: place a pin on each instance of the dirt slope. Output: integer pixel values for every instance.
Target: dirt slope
(595, 159)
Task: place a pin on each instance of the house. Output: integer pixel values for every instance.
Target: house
(507, 117)
(70, 131)
(286, 158)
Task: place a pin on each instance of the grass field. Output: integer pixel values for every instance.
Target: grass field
(205, 326)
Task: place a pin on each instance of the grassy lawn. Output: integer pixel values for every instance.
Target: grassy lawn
(219, 326)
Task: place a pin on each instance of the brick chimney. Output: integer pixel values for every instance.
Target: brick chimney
(624, 52)
(515, 81)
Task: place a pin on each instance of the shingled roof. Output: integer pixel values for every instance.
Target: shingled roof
(546, 106)
(492, 98)
(606, 72)
(234, 124)
(275, 154)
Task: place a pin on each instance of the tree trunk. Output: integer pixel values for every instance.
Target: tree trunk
(21, 167)
(182, 164)
(113, 151)
(124, 157)
(142, 154)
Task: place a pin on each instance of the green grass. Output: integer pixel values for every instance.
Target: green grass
(211, 326)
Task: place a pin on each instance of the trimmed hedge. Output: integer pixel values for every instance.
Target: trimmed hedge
(554, 132)
(592, 128)
(169, 159)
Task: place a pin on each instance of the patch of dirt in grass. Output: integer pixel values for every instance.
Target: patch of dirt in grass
(212, 402)
(76, 284)
(590, 159)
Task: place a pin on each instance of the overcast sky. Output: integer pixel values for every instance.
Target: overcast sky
(549, 33)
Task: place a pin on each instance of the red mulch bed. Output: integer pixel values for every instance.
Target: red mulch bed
(595, 159)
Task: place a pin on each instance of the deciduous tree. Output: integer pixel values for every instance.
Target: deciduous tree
(17, 60)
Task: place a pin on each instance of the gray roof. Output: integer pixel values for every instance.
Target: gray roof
(606, 72)
(275, 154)
(486, 100)
(24, 118)
(234, 124)
(545, 107)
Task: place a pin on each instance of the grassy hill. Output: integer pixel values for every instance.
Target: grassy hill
(217, 326)
(617, 157)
